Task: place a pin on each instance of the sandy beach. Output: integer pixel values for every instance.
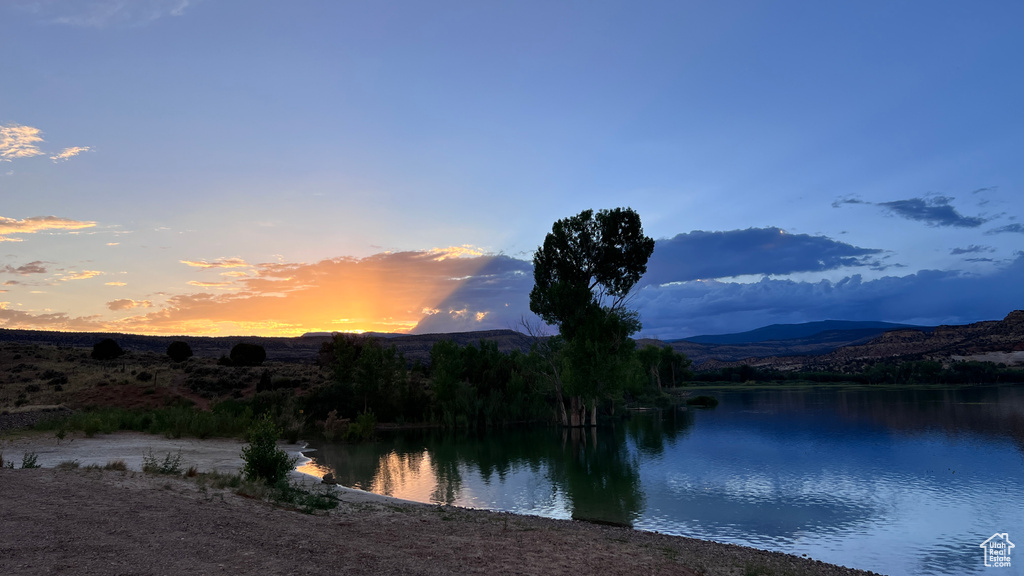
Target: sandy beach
(91, 521)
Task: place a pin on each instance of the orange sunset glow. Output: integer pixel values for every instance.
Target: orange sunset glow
(389, 292)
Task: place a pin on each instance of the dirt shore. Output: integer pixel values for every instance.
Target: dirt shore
(92, 522)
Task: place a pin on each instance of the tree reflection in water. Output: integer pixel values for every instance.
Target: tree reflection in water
(594, 472)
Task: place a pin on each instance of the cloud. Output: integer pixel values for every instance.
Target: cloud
(972, 249)
(700, 254)
(37, 224)
(103, 13)
(35, 267)
(17, 142)
(388, 292)
(83, 275)
(116, 284)
(218, 263)
(934, 211)
(128, 304)
(928, 297)
(1009, 228)
(68, 153)
(210, 284)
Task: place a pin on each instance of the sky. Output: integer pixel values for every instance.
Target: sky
(270, 167)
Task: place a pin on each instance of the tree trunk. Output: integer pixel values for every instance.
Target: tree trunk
(593, 412)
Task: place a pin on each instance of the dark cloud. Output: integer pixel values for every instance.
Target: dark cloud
(972, 249)
(1011, 228)
(934, 211)
(496, 297)
(841, 201)
(30, 268)
(705, 255)
(979, 260)
(928, 297)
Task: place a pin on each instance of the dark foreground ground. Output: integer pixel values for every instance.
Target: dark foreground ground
(87, 521)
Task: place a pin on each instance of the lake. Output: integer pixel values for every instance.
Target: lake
(898, 481)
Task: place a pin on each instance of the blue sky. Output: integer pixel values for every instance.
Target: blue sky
(267, 167)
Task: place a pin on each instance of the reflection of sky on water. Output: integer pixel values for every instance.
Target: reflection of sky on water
(848, 492)
(776, 472)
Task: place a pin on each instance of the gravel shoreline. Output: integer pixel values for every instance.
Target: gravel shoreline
(89, 521)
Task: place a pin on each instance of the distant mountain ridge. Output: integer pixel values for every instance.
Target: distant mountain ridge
(829, 349)
(803, 330)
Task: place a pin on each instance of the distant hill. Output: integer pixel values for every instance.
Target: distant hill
(992, 341)
(804, 331)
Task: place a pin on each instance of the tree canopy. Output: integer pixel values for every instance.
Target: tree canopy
(587, 262)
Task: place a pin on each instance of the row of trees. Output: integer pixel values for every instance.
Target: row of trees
(478, 385)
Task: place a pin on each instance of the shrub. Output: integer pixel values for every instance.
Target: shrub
(143, 376)
(28, 460)
(170, 465)
(179, 351)
(702, 402)
(106, 349)
(245, 354)
(263, 459)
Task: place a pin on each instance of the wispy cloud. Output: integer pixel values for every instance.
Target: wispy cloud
(1009, 228)
(17, 141)
(972, 249)
(218, 263)
(103, 13)
(35, 267)
(199, 284)
(128, 304)
(68, 153)
(933, 211)
(80, 275)
(116, 284)
(38, 224)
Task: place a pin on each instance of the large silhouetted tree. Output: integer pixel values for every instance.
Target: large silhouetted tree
(583, 275)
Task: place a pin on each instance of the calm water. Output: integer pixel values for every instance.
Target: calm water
(895, 481)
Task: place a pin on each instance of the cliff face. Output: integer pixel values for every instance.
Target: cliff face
(1001, 341)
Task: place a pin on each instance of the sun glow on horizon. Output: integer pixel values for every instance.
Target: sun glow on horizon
(388, 293)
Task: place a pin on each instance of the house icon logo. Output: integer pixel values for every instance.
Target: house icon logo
(997, 550)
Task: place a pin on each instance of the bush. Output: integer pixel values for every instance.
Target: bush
(179, 351)
(702, 401)
(245, 354)
(106, 349)
(170, 465)
(28, 460)
(263, 459)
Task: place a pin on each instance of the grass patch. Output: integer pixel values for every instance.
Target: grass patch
(171, 421)
(289, 495)
(68, 465)
(117, 465)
